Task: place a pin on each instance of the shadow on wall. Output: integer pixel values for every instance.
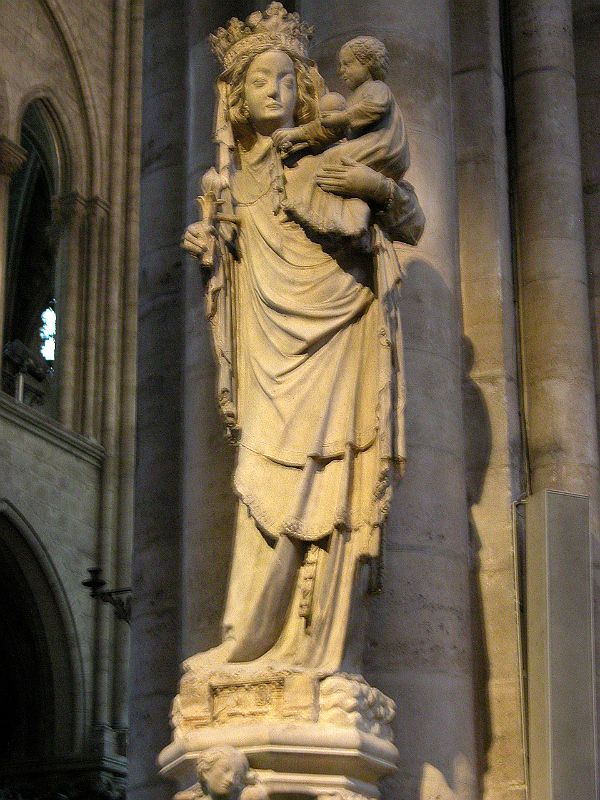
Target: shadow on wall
(478, 446)
(420, 629)
(209, 501)
(435, 787)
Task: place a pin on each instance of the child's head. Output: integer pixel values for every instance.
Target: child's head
(222, 771)
(368, 52)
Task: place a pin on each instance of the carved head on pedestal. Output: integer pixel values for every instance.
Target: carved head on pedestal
(224, 774)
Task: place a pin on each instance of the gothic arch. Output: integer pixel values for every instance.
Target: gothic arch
(72, 139)
(35, 263)
(89, 111)
(36, 594)
(83, 130)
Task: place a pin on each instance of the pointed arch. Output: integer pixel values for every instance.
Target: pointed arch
(89, 110)
(34, 286)
(83, 132)
(68, 132)
(41, 599)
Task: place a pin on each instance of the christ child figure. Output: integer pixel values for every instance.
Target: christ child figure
(370, 120)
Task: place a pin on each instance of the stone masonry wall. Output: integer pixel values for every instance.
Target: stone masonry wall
(52, 479)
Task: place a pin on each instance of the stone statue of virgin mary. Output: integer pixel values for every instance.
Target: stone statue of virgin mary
(300, 215)
(303, 303)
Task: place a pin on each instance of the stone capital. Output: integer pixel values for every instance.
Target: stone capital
(96, 206)
(67, 208)
(12, 156)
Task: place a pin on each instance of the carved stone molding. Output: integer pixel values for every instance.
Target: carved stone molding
(41, 426)
(341, 699)
(67, 207)
(12, 156)
(305, 734)
(349, 701)
(96, 205)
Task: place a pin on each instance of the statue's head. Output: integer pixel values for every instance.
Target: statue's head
(264, 56)
(367, 52)
(222, 771)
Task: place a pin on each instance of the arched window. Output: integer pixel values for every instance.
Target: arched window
(33, 290)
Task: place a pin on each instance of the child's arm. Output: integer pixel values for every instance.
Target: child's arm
(373, 102)
(312, 134)
(335, 120)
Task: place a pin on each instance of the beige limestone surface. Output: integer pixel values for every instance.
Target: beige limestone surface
(490, 391)
(71, 482)
(313, 469)
(448, 427)
(450, 602)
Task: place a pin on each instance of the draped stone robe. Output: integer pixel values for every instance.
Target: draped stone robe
(311, 382)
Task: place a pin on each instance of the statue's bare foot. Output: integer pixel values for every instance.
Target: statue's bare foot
(204, 662)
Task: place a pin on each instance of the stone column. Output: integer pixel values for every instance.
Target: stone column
(419, 642)
(72, 212)
(111, 379)
(120, 716)
(558, 372)
(96, 211)
(100, 320)
(491, 403)
(12, 158)
(586, 18)
(557, 353)
(156, 624)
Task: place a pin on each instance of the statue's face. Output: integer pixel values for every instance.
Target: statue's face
(222, 778)
(270, 91)
(351, 70)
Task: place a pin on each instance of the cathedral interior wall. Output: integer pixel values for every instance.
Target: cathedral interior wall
(54, 481)
(447, 635)
(71, 477)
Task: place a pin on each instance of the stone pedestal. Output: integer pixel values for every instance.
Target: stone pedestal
(304, 734)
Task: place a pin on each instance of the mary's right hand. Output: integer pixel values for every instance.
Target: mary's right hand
(198, 238)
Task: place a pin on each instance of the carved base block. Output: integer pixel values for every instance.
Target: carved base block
(305, 736)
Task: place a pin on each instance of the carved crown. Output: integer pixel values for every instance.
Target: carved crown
(274, 27)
